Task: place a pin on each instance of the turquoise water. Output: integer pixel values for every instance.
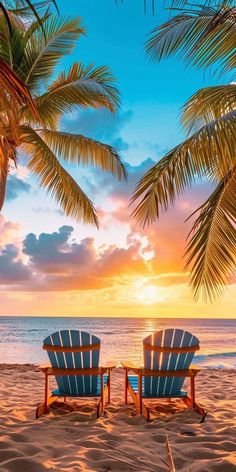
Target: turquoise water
(22, 337)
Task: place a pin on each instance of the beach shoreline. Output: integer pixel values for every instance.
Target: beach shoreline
(70, 437)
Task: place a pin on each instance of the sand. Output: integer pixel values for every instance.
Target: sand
(71, 438)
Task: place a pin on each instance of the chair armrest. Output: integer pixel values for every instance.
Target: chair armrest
(44, 367)
(128, 365)
(191, 372)
(86, 371)
(195, 368)
(109, 366)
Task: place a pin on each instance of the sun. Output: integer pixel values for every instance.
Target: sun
(149, 294)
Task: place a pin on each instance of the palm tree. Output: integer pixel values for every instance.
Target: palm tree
(9, 82)
(34, 55)
(205, 37)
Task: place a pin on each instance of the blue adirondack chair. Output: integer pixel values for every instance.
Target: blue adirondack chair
(74, 358)
(167, 362)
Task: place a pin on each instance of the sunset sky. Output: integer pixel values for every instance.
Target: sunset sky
(52, 266)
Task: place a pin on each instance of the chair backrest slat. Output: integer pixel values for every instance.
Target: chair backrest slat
(74, 359)
(164, 360)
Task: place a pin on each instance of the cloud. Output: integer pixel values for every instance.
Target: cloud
(65, 264)
(15, 186)
(59, 262)
(8, 231)
(101, 125)
(97, 181)
(169, 279)
(123, 190)
(12, 269)
(47, 251)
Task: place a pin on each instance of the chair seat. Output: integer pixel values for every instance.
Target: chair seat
(95, 393)
(133, 380)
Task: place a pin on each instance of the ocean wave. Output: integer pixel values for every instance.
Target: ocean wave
(216, 355)
(217, 360)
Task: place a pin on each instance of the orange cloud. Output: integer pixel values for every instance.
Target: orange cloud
(8, 231)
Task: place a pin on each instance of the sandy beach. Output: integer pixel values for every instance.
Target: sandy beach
(71, 438)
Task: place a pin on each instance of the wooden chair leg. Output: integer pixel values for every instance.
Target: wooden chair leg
(99, 408)
(100, 403)
(42, 408)
(105, 394)
(46, 393)
(109, 387)
(126, 386)
(191, 401)
(140, 393)
(192, 386)
(145, 411)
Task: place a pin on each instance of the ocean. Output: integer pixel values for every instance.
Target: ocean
(21, 338)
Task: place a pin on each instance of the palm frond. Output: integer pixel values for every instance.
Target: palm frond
(34, 26)
(208, 152)
(208, 104)
(6, 17)
(57, 181)
(161, 184)
(42, 54)
(82, 150)
(32, 7)
(82, 87)
(94, 81)
(211, 249)
(26, 8)
(198, 38)
(15, 88)
(180, 4)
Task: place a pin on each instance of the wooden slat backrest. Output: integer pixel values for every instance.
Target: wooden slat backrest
(170, 349)
(89, 347)
(71, 349)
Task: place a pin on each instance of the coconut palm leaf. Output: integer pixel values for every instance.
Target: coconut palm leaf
(42, 54)
(198, 38)
(162, 184)
(208, 104)
(6, 17)
(12, 49)
(15, 88)
(211, 250)
(57, 181)
(32, 9)
(26, 8)
(208, 152)
(15, 12)
(34, 26)
(78, 149)
(98, 80)
(80, 87)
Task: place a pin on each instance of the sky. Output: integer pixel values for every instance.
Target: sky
(52, 266)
